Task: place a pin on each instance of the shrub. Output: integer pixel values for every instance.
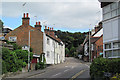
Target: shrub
(14, 60)
(4, 70)
(42, 65)
(23, 54)
(37, 66)
(101, 65)
(116, 77)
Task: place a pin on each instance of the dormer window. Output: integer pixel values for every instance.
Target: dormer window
(13, 39)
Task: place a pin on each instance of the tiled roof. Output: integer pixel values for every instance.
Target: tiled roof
(53, 37)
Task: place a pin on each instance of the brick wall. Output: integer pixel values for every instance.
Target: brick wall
(99, 45)
(22, 33)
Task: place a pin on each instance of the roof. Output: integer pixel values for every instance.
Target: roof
(54, 37)
(103, 4)
(93, 39)
(97, 31)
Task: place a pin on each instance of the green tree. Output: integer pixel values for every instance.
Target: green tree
(23, 55)
(67, 51)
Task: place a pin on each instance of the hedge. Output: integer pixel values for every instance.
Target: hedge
(100, 66)
(13, 61)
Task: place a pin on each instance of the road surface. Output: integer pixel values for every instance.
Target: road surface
(72, 69)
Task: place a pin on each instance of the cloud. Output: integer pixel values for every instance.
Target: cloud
(8, 27)
(74, 14)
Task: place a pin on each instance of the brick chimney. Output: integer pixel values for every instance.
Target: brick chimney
(52, 32)
(25, 19)
(100, 24)
(38, 26)
(46, 30)
(98, 27)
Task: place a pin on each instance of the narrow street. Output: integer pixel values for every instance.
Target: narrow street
(71, 70)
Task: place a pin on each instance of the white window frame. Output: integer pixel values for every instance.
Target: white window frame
(112, 49)
(110, 11)
(12, 40)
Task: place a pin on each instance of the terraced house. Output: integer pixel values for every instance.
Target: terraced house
(53, 47)
(26, 32)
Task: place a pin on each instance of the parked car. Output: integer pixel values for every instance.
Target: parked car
(80, 56)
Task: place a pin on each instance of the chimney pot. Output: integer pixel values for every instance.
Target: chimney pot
(52, 28)
(36, 23)
(24, 15)
(48, 27)
(45, 27)
(27, 14)
(39, 23)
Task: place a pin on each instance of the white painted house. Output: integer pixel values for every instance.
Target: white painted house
(111, 29)
(53, 47)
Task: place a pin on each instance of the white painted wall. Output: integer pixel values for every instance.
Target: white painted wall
(110, 30)
(48, 48)
(56, 51)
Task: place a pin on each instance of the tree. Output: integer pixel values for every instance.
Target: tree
(66, 51)
(23, 55)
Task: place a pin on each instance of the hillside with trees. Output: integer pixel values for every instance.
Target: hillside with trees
(71, 40)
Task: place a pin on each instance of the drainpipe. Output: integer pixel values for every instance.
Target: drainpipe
(54, 52)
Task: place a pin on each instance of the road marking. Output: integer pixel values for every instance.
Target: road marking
(77, 74)
(87, 66)
(66, 70)
(66, 66)
(57, 74)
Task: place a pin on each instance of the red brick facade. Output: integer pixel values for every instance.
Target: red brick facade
(99, 46)
(22, 34)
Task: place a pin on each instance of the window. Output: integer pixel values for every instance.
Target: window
(48, 41)
(53, 43)
(116, 52)
(108, 54)
(116, 44)
(108, 46)
(2, 38)
(13, 39)
(110, 11)
(48, 54)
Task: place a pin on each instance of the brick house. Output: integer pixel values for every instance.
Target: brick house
(20, 35)
(96, 44)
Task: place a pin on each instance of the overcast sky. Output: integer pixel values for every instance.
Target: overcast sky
(69, 15)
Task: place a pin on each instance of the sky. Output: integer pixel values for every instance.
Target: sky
(64, 15)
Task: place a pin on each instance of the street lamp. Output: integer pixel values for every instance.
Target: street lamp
(29, 50)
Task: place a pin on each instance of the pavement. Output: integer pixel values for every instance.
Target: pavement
(71, 69)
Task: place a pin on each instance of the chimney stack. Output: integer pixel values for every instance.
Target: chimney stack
(45, 27)
(25, 19)
(39, 22)
(50, 28)
(24, 15)
(52, 32)
(27, 15)
(38, 26)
